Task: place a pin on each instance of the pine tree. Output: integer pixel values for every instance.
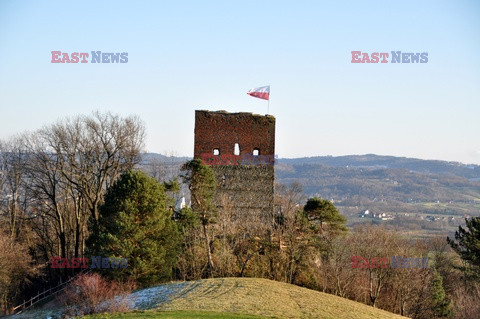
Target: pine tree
(441, 305)
(468, 246)
(323, 211)
(202, 184)
(135, 223)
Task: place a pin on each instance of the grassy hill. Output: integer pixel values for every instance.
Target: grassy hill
(228, 298)
(174, 315)
(244, 298)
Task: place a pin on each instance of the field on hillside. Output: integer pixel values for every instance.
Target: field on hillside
(265, 298)
(232, 298)
(173, 315)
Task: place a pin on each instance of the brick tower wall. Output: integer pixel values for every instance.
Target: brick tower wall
(242, 187)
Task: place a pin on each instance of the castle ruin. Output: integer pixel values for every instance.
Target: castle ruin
(240, 148)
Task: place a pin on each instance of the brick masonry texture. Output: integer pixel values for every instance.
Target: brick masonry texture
(247, 189)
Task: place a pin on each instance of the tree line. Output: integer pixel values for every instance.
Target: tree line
(73, 189)
(52, 182)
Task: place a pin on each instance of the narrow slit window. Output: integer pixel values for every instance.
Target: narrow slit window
(256, 152)
(216, 151)
(236, 149)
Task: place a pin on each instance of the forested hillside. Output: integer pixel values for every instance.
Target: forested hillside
(379, 183)
(387, 183)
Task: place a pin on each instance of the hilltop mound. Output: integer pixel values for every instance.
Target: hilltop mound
(252, 296)
(237, 298)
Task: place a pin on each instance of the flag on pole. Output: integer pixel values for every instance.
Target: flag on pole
(261, 92)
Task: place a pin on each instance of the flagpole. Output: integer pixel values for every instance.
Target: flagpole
(268, 104)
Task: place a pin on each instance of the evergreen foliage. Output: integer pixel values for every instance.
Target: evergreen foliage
(441, 305)
(135, 223)
(323, 212)
(468, 245)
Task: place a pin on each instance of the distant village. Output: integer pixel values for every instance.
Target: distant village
(383, 216)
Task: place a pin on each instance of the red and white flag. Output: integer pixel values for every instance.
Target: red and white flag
(261, 92)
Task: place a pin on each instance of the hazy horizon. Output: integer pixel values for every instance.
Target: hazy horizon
(168, 154)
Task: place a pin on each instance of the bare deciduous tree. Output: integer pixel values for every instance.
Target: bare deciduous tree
(70, 165)
(15, 270)
(13, 181)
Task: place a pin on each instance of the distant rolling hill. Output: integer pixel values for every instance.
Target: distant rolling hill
(380, 183)
(469, 171)
(387, 183)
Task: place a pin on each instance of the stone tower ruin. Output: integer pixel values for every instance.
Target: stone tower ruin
(240, 148)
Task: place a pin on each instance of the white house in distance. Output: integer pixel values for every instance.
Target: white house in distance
(382, 216)
(180, 203)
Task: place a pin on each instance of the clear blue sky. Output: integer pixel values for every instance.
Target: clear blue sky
(187, 55)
